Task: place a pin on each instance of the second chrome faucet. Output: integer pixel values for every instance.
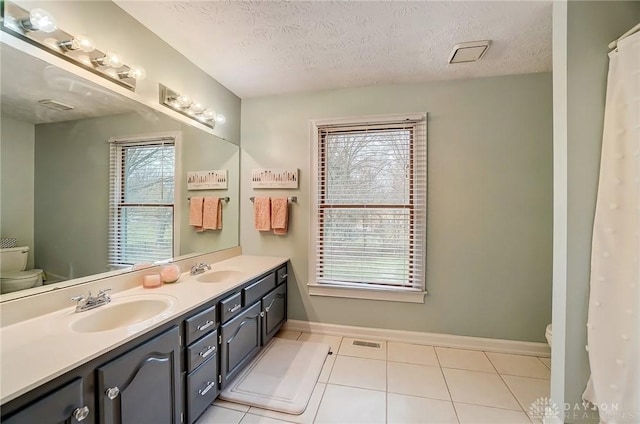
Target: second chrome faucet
(199, 268)
(85, 303)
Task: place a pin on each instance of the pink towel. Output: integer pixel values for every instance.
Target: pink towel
(212, 214)
(195, 213)
(262, 213)
(279, 215)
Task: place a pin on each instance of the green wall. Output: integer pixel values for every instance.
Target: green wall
(489, 202)
(16, 182)
(582, 32)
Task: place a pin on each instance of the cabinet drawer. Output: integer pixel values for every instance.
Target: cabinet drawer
(202, 350)
(274, 306)
(200, 324)
(258, 289)
(281, 275)
(202, 388)
(230, 307)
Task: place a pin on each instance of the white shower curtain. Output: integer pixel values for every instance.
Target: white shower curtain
(613, 327)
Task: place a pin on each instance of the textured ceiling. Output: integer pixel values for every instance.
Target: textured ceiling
(257, 48)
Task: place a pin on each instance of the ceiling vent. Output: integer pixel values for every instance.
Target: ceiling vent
(53, 104)
(469, 52)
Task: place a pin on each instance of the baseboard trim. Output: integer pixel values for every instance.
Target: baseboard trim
(416, 337)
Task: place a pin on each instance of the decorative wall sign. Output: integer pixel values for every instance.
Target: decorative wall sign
(274, 178)
(207, 180)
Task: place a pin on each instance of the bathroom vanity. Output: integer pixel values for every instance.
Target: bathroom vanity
(167, 368)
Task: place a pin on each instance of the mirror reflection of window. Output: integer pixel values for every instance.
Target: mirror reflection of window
(142, 200)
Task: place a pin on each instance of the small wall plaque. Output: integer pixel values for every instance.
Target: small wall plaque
(207, 180)
(274, 178)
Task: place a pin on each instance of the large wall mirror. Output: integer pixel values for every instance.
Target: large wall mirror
(55, 171)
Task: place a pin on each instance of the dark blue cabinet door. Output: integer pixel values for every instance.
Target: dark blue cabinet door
(143, 386)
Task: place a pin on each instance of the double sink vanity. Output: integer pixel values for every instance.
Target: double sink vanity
(148, 355)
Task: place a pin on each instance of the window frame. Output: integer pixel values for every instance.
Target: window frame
(116, 180)
(361, 290)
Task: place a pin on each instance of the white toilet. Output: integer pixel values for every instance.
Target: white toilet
(13, 276)
(547, 334)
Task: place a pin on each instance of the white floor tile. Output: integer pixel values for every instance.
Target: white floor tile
(417, 380)
(347, 348)
(327, 368)
(403, 409)
(546, 361)
(287, 334)
(474, 414)
(305, 418)
(412, 354)
(479, 388)
(218, 415)
(231, 405)
(341, 405)
(473, 360)
(359, 372)
(333, 341)
(527, 390)
(257, 419)
(523, 366)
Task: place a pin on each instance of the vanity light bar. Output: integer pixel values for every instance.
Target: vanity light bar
(188, 107)
(40, 28)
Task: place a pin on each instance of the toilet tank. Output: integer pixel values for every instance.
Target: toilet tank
(14, 259)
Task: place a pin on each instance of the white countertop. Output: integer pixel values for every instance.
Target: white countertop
(40, 349)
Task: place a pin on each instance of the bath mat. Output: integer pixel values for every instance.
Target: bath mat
(281, 377)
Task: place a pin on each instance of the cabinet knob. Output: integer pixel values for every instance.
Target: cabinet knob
(112, 392)
(81, 413)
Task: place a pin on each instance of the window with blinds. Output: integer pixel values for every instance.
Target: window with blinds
(370, 204)
(141, 198)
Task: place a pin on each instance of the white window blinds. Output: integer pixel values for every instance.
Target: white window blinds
(370, 204)
(141, 199)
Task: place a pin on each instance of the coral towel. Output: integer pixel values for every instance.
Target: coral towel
(212, 214)
(279, 215)
(262, 213)
(195, 213)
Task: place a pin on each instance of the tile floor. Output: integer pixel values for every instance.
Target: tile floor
(401, 383)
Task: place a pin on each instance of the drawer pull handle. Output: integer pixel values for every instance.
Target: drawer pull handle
(112, 392)
(205, 325)
(262, 314)
(209, 351)
(204, 391)
(284, 275)
(81, 413)
(235, 308)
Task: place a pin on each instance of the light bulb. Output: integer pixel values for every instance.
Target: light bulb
(39, 20)
(184, 101)
(197, 107)
(210, 114)
(113, 60)
(137, 73)
(81, 42)
(221, 119)
(84, 43)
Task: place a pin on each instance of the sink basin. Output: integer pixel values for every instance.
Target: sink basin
(123, 312)
(222, 276)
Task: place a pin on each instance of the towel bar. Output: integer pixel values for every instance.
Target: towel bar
(292, 199)
(224, 199)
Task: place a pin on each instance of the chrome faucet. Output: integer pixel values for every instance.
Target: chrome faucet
(199, 268)
(84, 303)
